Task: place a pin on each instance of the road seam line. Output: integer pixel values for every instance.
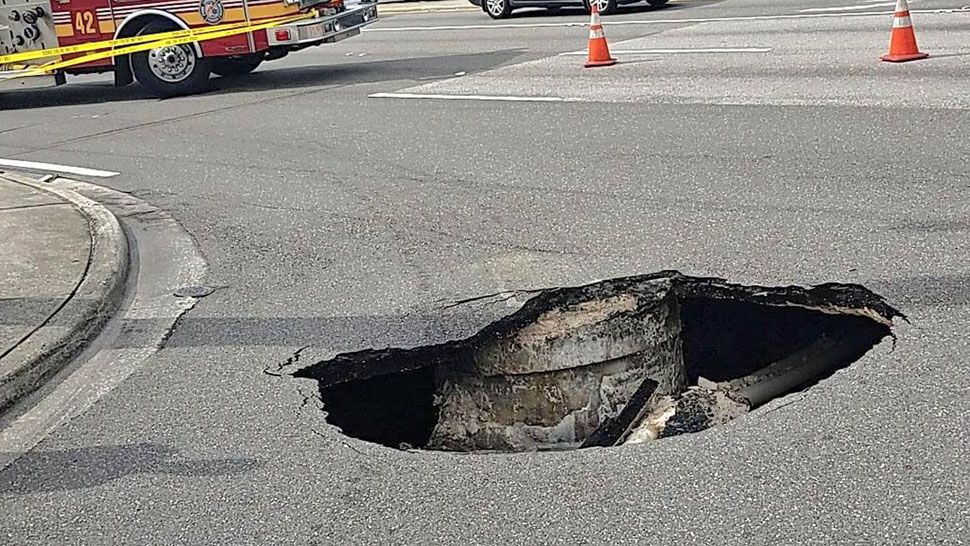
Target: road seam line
(848, 8)
(665, 51)
(488, 98)
(662, 21)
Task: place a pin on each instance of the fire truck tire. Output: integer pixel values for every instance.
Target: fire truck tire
(172, 70)
(235, 66)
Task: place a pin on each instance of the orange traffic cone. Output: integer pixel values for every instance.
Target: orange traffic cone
(599, 50)
(902, 40)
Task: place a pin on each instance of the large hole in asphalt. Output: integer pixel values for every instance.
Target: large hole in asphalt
(619, 361)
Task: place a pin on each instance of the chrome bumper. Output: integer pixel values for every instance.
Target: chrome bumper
(324, 29)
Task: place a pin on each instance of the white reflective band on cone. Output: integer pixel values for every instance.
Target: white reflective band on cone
(596, 33)
(902, 22)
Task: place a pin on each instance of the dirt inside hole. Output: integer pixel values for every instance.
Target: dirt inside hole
(620, 361)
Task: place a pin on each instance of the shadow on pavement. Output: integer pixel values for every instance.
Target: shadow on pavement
(338, 72)
(343, 333)
(945, 55)
(417, 70)
(335, 332)
(62, 470)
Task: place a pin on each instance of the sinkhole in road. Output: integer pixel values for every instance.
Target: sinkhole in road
(615, 362)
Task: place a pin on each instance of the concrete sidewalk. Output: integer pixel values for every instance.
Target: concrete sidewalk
(63, 264)
(398, 7)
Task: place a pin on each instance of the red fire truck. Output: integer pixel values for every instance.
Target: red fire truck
(33, 25)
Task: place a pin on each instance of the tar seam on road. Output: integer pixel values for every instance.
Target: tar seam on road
(849, 8)
(493, 98)
(686, 50)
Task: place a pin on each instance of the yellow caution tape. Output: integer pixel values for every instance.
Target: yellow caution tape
(141, 43)
(104, 44)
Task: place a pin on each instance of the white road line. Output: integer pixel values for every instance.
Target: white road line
(475, 27)
(491, 98)
(661, 21)
(848, 8)
(51, 167)
(677, 51)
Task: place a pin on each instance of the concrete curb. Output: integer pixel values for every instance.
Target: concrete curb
(95, 299)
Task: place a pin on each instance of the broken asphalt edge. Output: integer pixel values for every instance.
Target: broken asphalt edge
(828, 298)
(96, 298)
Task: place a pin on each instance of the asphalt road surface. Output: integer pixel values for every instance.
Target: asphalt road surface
(784, 153)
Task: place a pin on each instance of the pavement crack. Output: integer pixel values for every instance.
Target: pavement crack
(281, 366)
(315, 397)
(279, 207)
(175, 119)
(12, 129)
(187, 303)
(185, 117)
(786, 404)
(502, 296)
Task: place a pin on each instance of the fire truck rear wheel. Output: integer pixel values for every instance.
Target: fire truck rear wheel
(171, 70)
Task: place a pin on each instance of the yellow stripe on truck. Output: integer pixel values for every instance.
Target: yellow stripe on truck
(64, 30)
(106, 26)
(186, 36)
(264, 11)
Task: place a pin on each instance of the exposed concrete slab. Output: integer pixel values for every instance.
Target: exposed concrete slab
(553, 382)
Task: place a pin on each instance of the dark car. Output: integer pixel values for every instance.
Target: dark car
(500, 9)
